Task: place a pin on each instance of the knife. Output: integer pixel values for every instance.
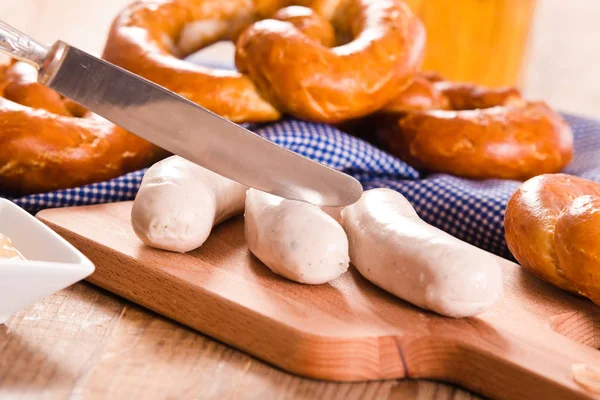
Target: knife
(178, 125)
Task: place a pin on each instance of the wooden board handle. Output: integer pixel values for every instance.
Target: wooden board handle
(498, 364)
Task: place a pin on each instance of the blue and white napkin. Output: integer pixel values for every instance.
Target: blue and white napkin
(470, 210)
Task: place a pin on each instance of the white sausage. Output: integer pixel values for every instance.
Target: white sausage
(296, 240)
(179, 202)
(397, 251)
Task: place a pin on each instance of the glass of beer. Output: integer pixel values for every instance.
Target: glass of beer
(479, 41)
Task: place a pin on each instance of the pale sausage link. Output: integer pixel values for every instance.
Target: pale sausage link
(397, 251)
(294, 239)
(179, 202)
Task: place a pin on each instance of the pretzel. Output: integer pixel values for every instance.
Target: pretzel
(551, 227)
(149, 38)
(474, 132)
(49, 143)
(312, 82)
(287, 62)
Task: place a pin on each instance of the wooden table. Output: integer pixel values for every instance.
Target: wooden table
(84, 342)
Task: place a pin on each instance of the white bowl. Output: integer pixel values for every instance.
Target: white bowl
(52, 263)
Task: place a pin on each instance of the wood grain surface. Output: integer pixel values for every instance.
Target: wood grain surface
(347, 330)
(85, 343)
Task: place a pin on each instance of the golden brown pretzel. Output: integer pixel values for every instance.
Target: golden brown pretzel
(480, 133)
(45, 145)
(552, 227)
(149, 38)
(310, 81)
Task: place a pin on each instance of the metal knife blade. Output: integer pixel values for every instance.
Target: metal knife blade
(182, 127)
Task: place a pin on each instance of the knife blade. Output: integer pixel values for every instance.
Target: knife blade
(178, 125)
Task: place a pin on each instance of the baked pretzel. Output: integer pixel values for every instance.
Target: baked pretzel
(149, 38)
(552, 228)
(474, 132)
(48, 142)
(289, 58)
(312, 82)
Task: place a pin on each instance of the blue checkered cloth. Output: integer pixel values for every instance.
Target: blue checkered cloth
(470, 210)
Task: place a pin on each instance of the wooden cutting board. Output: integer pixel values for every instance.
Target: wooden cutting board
(348, 330)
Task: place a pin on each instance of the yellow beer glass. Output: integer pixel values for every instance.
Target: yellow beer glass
(480, 41)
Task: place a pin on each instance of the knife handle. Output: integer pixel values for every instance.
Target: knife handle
(18, 45)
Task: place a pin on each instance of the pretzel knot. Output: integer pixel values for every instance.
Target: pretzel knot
(331, 62)
(472, 131)
(303, 77)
